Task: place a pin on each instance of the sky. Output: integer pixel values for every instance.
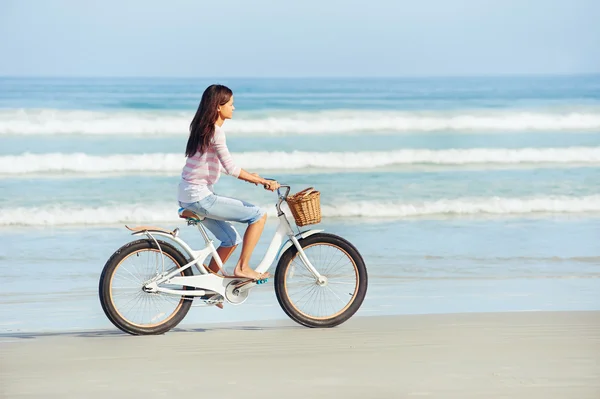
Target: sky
(298, 38)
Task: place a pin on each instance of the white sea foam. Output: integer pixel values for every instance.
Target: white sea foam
(55, 215)
(58, 122)
(56, 163)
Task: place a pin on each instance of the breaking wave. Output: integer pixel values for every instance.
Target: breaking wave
(166, 213)
(61, 122)
(172, 163)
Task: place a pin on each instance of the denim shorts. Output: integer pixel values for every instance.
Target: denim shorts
(219, 211)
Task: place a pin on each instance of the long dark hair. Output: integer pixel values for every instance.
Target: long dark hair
(202, 128)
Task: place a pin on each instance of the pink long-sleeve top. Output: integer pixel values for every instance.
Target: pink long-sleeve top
(202, 171)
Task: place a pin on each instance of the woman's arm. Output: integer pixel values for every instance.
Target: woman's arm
(230, 167)
(220, 145)
(256, 179)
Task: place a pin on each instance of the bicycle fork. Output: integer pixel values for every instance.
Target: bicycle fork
(321, 280)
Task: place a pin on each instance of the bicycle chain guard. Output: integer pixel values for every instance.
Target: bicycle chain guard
(234, 295)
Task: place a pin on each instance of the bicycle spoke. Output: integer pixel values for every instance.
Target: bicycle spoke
(137, 283)
(329, 299)
(340, 299)
(133, 304)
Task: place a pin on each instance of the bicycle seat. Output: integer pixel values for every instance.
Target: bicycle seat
(187, 214)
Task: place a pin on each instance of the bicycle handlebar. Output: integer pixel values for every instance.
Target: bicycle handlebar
(288, 188)
(281, 197)
(281, 185)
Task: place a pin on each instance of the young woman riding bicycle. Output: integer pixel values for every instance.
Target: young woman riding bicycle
(206, 153)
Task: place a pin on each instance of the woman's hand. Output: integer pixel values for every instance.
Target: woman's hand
(271, 185)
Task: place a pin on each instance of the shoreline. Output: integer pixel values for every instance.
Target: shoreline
(283, 322)
(275, 323)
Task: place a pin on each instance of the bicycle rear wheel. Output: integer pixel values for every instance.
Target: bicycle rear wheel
(123, 300)
(327, 304)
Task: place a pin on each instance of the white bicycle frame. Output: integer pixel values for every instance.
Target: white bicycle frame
(207, 282)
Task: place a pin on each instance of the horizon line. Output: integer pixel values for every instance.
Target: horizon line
(304, 77)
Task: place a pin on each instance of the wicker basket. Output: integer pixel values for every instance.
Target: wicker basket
(305, 206)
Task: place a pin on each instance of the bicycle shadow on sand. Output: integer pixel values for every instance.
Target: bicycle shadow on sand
(118, 333)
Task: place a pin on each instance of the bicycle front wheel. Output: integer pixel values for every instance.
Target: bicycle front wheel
(126, 304)
(325, 303)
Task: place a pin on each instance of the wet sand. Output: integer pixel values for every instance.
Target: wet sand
(478, 355)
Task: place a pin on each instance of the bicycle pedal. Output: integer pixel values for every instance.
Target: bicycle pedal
(213, 299)
(262, 281)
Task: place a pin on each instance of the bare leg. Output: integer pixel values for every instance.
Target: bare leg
(251, 237)
(224, 254)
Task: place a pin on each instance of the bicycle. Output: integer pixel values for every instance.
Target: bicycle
(162, 274)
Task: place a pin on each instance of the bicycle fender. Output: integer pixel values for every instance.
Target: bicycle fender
(299, 236)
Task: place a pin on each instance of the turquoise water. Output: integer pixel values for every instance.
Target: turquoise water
(462, 194)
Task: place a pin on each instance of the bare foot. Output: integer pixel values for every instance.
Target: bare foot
(249, 273)
(223, 272)
(219, 305)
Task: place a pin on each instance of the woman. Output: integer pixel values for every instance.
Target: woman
(206, 153)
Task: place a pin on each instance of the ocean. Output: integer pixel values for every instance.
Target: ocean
(470, 194)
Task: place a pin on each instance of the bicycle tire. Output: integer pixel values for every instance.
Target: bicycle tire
(106, 299)
(360, 290)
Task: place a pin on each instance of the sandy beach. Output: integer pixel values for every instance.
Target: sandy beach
(473, 355)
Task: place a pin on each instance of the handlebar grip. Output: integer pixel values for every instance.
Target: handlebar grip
(266, 178)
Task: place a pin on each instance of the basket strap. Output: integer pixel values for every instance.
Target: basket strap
(308, 191)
